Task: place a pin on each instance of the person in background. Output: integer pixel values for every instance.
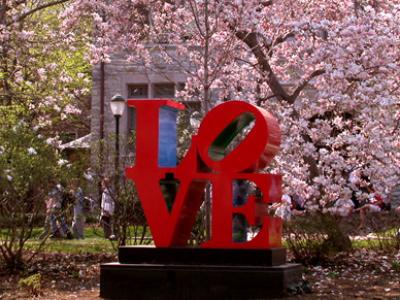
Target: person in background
(55, 208)
(343, 206)
(48, 227)
(361, 186)
(283, 209)
(107, 209)
(376, 203)
(395, 199)
(78, 222)
(297, 205)
(240, 191)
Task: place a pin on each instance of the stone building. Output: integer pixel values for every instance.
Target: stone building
(132, 82)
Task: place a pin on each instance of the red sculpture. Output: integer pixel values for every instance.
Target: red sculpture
(207, 160)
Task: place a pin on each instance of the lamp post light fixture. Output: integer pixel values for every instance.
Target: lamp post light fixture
(117, 105)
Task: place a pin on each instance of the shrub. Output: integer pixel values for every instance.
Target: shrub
(27, 165)
(32, 284)
(312, 239)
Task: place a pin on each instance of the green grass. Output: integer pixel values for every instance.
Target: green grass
(94, 242)
(377, 243)
(88, 245)
(384, 239)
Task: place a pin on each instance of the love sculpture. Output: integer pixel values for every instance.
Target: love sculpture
(171, 194)
(207, 161)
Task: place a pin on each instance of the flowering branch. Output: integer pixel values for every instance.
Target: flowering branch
(250, 39)
(33, 10)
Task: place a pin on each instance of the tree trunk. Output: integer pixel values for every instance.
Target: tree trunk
(337, 240)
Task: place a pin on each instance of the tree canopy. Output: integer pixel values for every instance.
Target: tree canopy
(327, 69)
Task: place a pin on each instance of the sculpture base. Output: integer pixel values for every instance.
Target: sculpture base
(177, 280)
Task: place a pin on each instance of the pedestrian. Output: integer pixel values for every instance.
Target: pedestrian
(48, 228)
(297, 205)
(55, 210)
(395, 199)
(240, 190)
(107, 209)
(342, 207)
(376, 203)
(79, 219)
(283, 209)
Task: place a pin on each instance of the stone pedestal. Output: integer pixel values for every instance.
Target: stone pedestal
(193, 273)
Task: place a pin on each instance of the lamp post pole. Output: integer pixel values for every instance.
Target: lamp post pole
(117, 105)
(117, 117)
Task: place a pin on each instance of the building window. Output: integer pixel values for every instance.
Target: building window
(180, 86)
(138, 91)
(164, 90)
(135, 91)
(131, 119)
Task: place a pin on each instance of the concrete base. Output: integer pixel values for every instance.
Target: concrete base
(175, 280)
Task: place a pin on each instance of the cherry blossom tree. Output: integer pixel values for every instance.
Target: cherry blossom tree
(41, 68)
(327, 69)
(44, 80)
(340, 105)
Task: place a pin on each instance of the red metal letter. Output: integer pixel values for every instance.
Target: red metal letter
(207, 161)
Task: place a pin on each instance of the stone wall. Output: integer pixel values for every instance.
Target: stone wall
(119, 74)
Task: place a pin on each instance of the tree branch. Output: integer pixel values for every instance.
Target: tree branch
(279, 40)
(298, 90)
(250, 39)
(267, 3)
(396, 127)
(33, 10)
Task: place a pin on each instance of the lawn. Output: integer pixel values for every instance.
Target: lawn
(94, 242)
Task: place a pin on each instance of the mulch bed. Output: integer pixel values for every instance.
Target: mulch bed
(360, 275)
(63, 276)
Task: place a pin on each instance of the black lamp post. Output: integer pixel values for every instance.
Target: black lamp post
(117, 105)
